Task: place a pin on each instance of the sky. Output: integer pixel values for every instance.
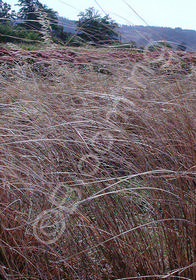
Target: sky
(164, 13)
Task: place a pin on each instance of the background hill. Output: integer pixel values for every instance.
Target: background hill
(143, 35)
(68, 25)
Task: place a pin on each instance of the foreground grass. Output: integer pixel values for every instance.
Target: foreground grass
(97, 169)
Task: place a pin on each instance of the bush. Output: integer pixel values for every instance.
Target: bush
(75, 41)
(159, 46)
(9, 33)
(94, 28)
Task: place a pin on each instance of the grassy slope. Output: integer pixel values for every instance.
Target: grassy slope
(97, 167)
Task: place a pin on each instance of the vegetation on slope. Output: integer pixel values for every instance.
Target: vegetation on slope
(97, 168)
(97, 157)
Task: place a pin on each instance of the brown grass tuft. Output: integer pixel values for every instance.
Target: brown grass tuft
(97, 169)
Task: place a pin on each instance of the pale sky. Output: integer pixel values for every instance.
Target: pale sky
(167, 13)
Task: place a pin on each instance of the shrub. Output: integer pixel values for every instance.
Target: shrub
(9, 33)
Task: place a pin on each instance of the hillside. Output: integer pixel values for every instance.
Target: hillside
(69, 25)
(143, 35)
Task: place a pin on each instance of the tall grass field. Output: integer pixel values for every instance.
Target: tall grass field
(97, 163)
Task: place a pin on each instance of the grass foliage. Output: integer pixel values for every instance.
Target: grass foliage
(97, 168)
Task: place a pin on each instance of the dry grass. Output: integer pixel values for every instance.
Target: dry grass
(97, 170)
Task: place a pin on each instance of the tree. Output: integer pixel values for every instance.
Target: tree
(39, 17)
(28, 13)
(99, 30)
(5, 12)
(31, 12)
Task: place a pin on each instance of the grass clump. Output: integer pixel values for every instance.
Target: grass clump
(97, 172)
